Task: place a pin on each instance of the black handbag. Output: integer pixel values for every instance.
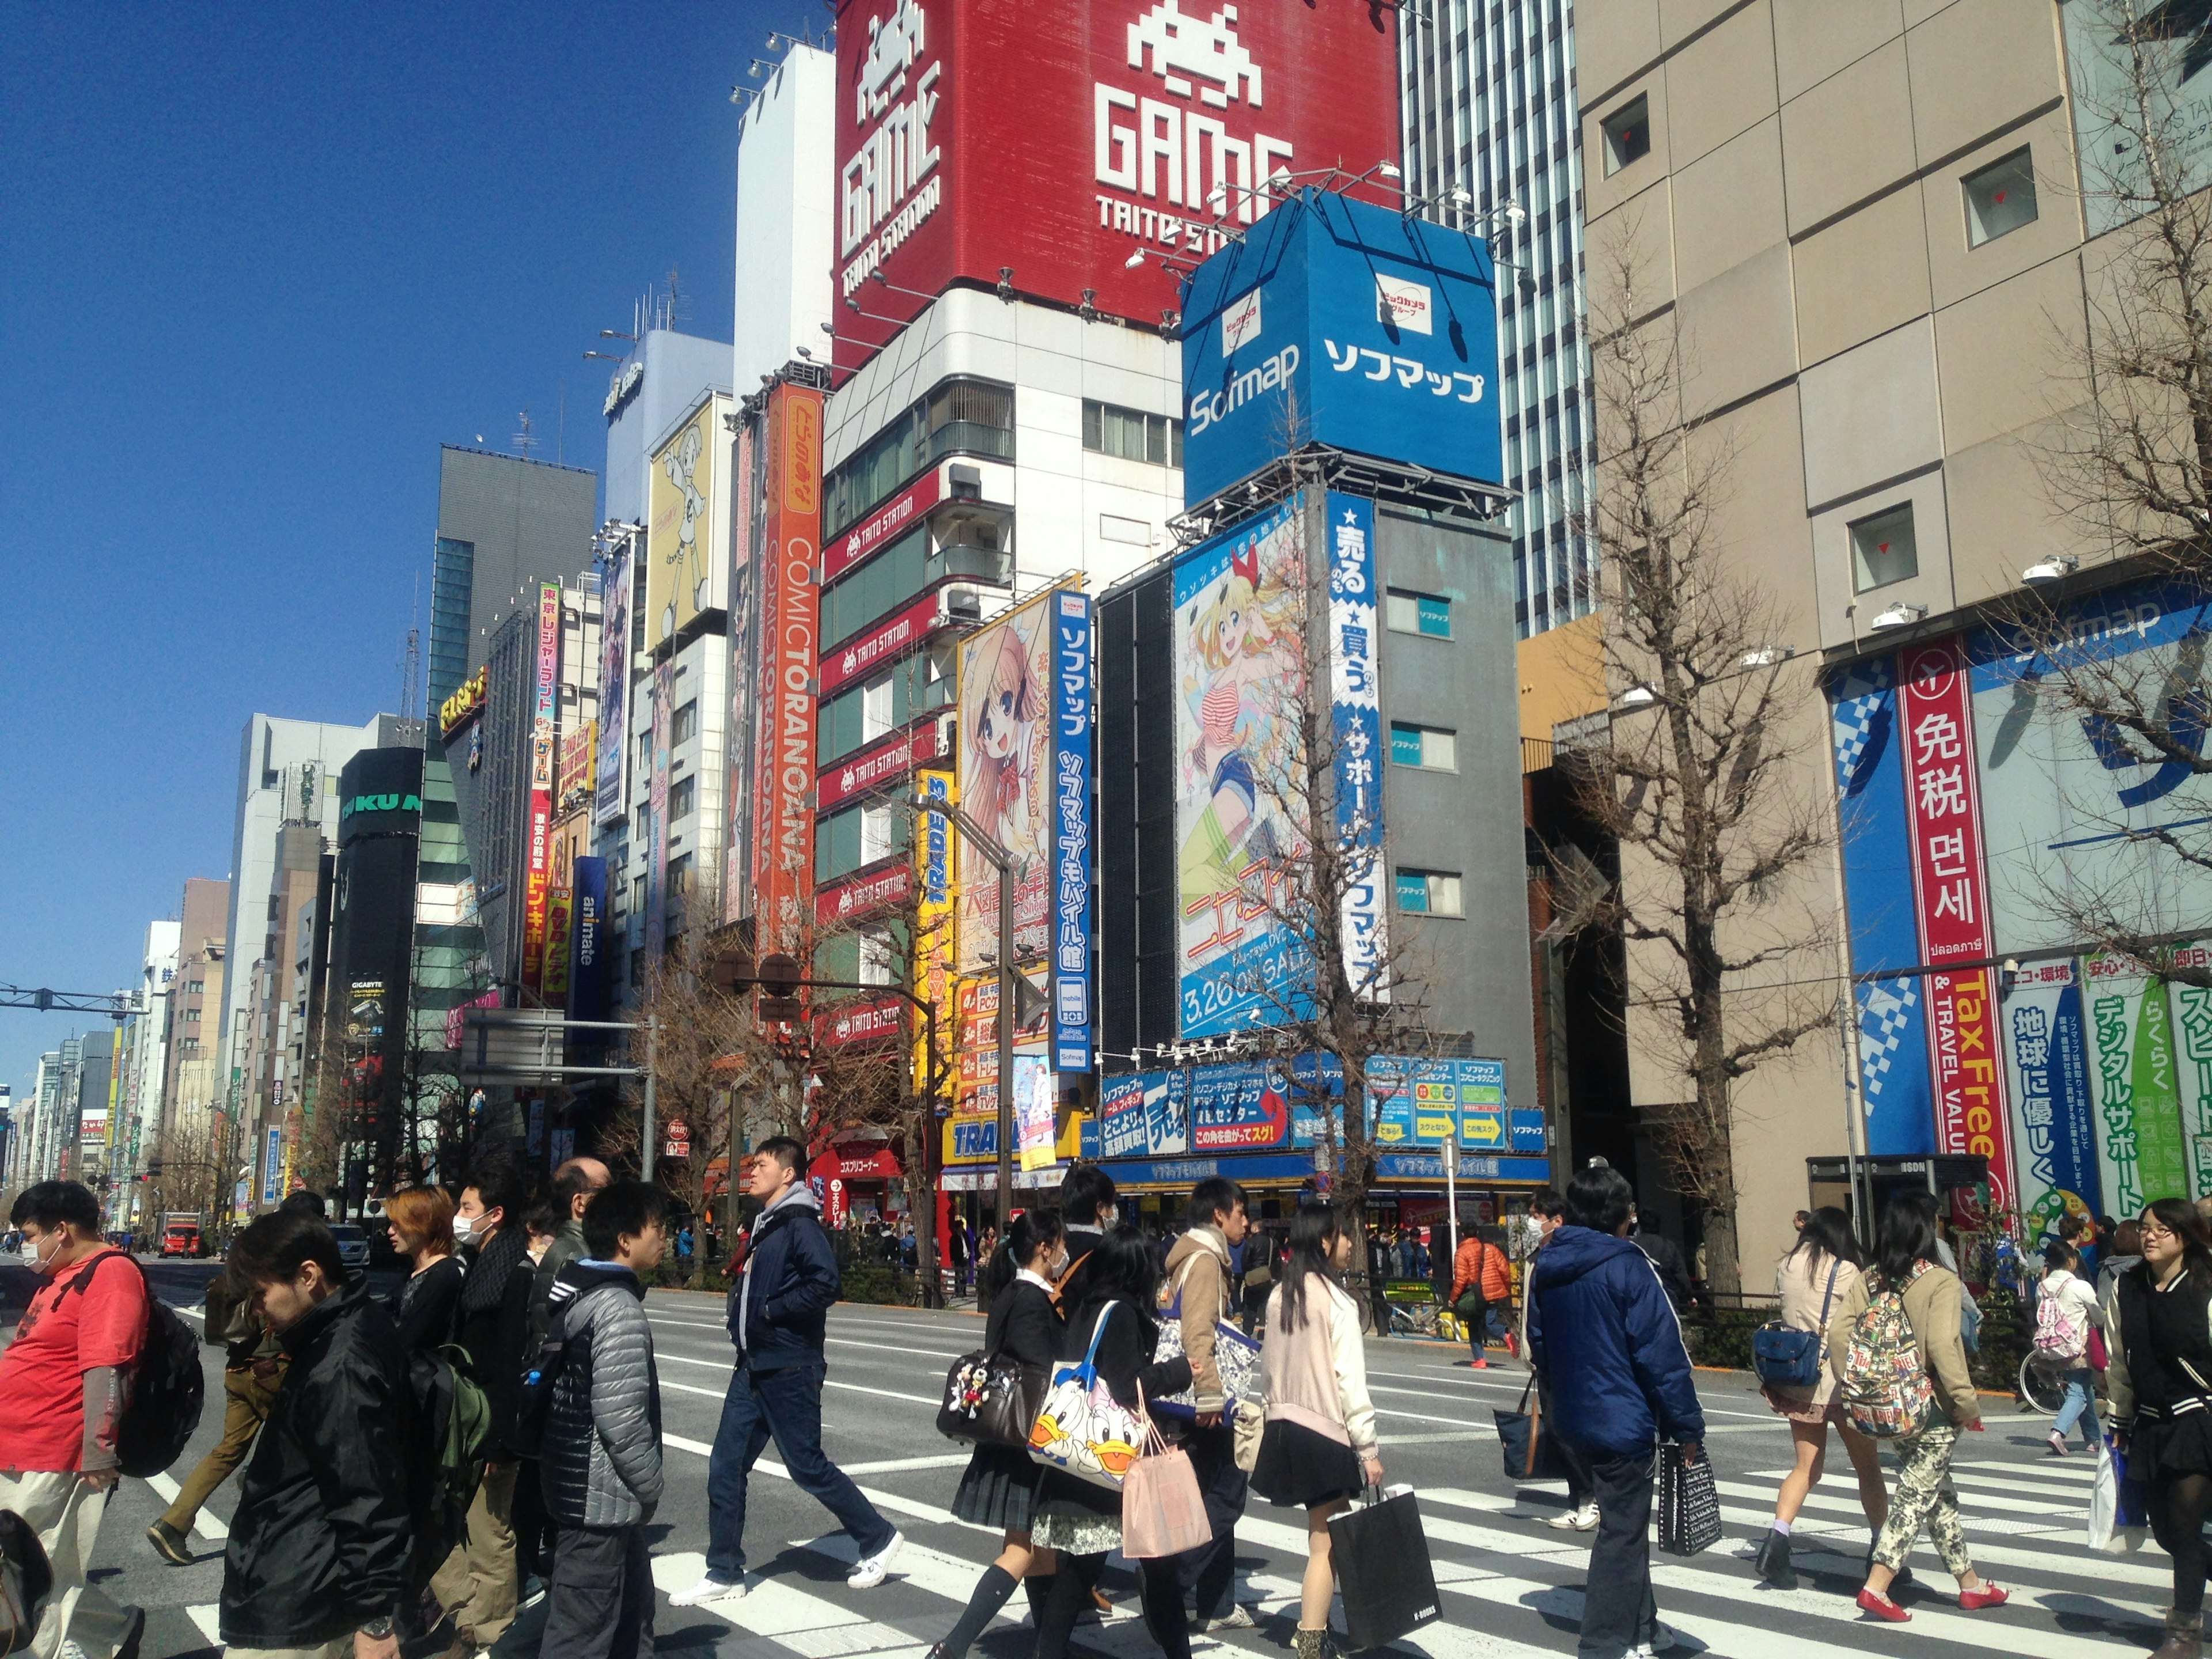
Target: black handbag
(1382, 1559)
(1530, 1453)
(991, 1399)
(1689, 1503)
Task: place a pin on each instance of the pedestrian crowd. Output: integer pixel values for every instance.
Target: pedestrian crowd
(421, 1467)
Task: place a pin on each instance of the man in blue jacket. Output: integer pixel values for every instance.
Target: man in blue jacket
(1605, 1339)
(776, 1308)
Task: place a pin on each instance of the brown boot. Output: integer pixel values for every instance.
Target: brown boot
(2184, 1638)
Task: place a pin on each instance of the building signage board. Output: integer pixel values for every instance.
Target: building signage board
(656, 846)
(579, 750)
(783, 769)
(537, 865)
(615, 576)
(881, 643)
(560, 914)
(272, 1166)
(934, 925)
(863, 895)
(587, 933)
(1071, 622)
(744, 635)
(1376, 330)
(1006, 754)
(2053, 1122)
(882, 527)
(1239, 672)
(1355, 701)
(894, 757)
(1140, 123)
(1424, 1103)
(687, 525)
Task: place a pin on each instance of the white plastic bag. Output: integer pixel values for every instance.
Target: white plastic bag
(2110, 1530)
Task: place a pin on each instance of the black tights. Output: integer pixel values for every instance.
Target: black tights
(1064, 1603)
(2178, 1504)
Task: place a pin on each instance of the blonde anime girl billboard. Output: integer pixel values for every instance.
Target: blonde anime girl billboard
(1240, 677)
(1006, 739)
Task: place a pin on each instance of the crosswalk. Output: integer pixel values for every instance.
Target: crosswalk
(1512, 1588)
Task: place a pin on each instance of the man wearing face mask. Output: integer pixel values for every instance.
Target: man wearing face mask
(64, 1378)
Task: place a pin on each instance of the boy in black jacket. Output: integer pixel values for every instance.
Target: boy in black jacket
(776, 1308)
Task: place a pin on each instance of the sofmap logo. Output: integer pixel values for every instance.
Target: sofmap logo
(1206, 409)
(1240, 323)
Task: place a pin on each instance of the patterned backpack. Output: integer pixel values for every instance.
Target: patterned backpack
(1886, 1393)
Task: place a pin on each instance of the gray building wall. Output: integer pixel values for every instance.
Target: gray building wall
(525, 521)
(676, 369)
(1474, 968)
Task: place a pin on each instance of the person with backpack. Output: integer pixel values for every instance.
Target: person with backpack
(998, 1488)
(777, 1321)
(319, 1545)
(2158, 1391)
(1901, 1365)
(66, 1380)
(1821, 1266)
(477, 1582)
(429, 1301)
(2066, 1313)
(1482, 1285)
(600, 1450)
(1320, 1446)
(1602, 1333)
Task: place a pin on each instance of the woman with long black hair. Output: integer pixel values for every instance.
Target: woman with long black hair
(999, 1488)
(1080, 1521)
(1319, 1446)
(2158, 1387)
(1906, 1262)
(1821, 1268)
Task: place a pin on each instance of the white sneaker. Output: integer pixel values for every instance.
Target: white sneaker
(709, 1588)
(1239, 1617)
(1663, 1639)
(1582, 1520)
(870, 1571)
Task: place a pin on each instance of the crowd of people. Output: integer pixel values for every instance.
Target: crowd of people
(425, 1464)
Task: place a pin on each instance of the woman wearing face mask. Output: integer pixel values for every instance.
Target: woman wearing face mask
(999, 1488)
(2159, 1385)
(429, 1302)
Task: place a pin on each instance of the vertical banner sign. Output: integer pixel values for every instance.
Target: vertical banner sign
(656, 891)
(745, 679)
(783, 772)
(538, 867)
(2192, 1044)
(273, 1166)
(1950, 892)
(1033, 1113)
(1008, 698)
(2145, 1156)
(933, 953)
(1356, 714)
(2054, 1122)
(560, 909)
(587, 939)
(1071, 845)
(614, 682)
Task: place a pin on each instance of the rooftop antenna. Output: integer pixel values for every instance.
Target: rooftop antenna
(679, 303)
(413, 664)
(524, 440)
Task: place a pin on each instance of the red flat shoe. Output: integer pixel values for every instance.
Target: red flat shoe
(1882, 1608)
(1989, 1595)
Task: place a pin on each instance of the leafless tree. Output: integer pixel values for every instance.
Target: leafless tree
(1700, 782)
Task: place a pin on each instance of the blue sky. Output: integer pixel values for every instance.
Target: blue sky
(255, 266)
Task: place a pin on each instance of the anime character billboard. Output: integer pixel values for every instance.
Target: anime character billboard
(687, 534)
(1240, 677)
(1006, 778)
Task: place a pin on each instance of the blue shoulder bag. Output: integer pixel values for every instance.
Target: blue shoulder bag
(1787, 1358)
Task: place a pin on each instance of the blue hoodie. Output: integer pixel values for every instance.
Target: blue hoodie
(789, 1280)
(1609, 1345)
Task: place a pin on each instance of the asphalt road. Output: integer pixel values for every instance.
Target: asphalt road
(1511, 1587)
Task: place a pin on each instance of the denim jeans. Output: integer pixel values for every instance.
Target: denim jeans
(785, 1405)
(2080, 1406)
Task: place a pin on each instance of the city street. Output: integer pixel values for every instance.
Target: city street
(1511, 1586)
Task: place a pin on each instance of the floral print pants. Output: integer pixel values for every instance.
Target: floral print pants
(1925, 1498)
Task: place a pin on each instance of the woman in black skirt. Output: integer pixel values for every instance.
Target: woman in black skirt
(999, 1488)
(2160, 1386)
(1319, 1446)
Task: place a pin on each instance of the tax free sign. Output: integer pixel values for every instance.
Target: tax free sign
(1378, 330)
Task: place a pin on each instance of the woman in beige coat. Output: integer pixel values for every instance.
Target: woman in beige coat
(1813, 1280)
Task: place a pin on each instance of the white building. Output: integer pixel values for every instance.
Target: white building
(143, 1051)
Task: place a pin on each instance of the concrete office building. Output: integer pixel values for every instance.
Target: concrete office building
(787, 213)
(648, 392)
(144, 1043)
(1873, 226)
(84, 1132)
(273, 1071)
(195, 1010)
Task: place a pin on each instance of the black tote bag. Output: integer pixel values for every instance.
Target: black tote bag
(1689, 1503)
(1530, 1452)
(1381, 1558)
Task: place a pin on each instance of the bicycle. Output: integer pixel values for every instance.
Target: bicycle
(2041, 1388)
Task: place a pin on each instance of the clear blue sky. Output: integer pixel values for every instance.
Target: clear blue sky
(256, 265)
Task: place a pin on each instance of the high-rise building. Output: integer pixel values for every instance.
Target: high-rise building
(1493, 143)
(195, 1015)
(144, 1067)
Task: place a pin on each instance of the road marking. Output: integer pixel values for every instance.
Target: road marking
(199, 1314)
(929, 1399)
(881, 1499)
(208, 1526)
(894, 1465)
(783, 1612)
(208, 1615)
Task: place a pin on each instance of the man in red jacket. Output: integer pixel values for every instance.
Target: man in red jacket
(1482, 1268)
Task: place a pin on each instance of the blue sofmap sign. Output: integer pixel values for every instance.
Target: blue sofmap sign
(1376, 330)
(1070, 818)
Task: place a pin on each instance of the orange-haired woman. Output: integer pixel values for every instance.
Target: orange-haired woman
(422, 1220)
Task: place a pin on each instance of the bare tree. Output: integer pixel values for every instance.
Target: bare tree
(706, 1045)
(1700, 782)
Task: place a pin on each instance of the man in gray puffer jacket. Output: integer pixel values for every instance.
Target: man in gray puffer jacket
(600, 1459)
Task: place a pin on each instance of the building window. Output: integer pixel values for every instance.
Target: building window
(2000, 197)
(878, 704)
(1133, 435)
(192, 1015)
(679, 876)
(860, 713)
(858, 836)
(1883, 550)
(973, 417)
(879, 957)
(637, 895)
(684, 726)
(1429, 892)
(191, 1045)
(683, 796)
(1627, 134)
(637, 968)
(892, 579)
(195, 987)
(1404, 611)
(1430, 747)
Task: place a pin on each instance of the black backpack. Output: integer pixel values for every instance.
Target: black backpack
(166, 1390)
(534, 1395)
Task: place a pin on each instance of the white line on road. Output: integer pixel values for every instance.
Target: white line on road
(206, 1525)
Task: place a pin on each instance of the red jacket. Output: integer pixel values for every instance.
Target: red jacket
(1479, 1259)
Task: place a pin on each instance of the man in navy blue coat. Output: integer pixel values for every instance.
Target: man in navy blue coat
(1605, 1340)
(776, 1319)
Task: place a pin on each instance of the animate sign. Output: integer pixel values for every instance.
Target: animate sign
(1058, 140)
(466, 703)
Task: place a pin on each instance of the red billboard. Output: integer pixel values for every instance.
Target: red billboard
(783, 765)
(977, 135)
(538, 859)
